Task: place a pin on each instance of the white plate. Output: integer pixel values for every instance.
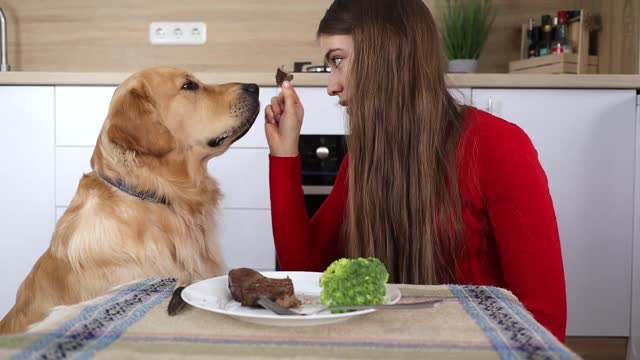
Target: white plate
(213, 295)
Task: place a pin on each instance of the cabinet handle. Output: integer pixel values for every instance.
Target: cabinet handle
(490, 108)
(322, 152)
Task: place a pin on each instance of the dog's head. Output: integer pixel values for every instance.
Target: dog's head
(161, 110)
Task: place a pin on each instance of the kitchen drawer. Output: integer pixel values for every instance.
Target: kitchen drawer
(80, 113)
(246, 238)
(244, 235)
(71, 163)
(243, 175)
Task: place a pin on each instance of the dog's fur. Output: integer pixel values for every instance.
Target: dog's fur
(157, 138)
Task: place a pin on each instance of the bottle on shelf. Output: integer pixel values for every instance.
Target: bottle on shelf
(536, 36)
(563, 32)
(531, 48)
(562, 43)
(556, 48)
(547, 36)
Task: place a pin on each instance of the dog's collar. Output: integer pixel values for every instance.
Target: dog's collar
(148, 196)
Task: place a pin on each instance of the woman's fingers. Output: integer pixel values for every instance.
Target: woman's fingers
(269, 115)
(277, 107)
(292, 103)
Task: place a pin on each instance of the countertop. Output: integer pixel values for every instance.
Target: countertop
(309, 79)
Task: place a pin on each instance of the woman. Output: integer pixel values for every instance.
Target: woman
(440, 193)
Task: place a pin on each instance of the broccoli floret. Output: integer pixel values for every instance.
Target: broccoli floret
(354, 282)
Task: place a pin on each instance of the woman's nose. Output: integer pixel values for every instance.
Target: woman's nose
(333, 87)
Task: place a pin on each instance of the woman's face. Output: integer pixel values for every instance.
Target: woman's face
(337, 50)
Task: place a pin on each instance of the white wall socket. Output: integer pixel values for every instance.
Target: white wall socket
(177, 33)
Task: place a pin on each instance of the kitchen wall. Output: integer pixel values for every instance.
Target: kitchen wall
(252, 35)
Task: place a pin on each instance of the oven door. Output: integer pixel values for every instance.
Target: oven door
(320, 156)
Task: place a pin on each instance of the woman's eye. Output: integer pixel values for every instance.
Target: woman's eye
(190, 85)
(337, 61)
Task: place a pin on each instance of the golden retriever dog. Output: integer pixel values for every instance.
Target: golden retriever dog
(148, 207)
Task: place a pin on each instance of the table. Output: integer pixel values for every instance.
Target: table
(131, 322)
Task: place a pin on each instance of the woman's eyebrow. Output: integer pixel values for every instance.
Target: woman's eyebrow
(328, 55)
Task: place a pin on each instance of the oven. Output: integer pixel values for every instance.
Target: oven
(320, 156)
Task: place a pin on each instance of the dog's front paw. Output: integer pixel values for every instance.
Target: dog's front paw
(176, 304)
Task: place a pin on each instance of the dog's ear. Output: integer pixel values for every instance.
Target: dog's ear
(135, 122)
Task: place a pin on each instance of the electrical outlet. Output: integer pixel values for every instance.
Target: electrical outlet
(177, 33)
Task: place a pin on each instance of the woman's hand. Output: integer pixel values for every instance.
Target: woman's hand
(283, 120)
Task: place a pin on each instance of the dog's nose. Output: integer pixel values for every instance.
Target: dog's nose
(252, 88)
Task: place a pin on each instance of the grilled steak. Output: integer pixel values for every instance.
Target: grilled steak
(247, 286)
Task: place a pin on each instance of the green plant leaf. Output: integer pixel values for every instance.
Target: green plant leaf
(465, 27)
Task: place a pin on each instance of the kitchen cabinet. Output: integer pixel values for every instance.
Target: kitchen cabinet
(80, 113)
(586, 143)
(27, 183)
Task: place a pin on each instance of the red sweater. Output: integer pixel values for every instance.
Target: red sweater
(510, 230)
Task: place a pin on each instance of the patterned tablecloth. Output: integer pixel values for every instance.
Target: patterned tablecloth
(132, 323)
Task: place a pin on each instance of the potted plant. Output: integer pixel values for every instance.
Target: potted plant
(464, 27)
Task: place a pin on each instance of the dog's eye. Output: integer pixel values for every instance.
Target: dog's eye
(216, 142)
(190, 85)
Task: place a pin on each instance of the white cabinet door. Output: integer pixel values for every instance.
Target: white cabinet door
(71, 164)
(26, 187)
(80, 113)
(585, 141)
(243, 176)
(246, 238)
(463, 95)
(323, 115)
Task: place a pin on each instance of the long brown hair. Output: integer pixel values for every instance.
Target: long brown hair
(404, 126)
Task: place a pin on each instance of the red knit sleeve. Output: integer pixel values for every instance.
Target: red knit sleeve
(304, 244)
(522, 217)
